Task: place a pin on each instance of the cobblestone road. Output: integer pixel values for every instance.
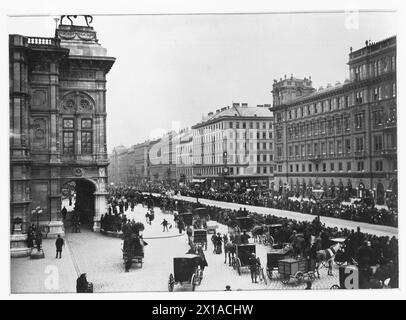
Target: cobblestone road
(101, 258)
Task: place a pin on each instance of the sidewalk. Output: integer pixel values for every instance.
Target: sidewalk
(47, 275)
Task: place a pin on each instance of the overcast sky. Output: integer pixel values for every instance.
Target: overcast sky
(172, 69)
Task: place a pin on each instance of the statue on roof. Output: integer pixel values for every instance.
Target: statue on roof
(87, 18)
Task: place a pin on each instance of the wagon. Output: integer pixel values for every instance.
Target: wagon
(243, 253)
(200, 237)
(244, 223)
(187, 218)
(296, 269)
(185, 271)
(273, 258)
(133, 253)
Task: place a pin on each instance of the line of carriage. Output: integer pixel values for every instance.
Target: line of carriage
(281, 264)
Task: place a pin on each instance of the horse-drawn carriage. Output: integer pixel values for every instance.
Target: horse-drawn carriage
(294, 269)
(273, 258)
(186, 270)
(133, 251)
(187, 218)
(200, 238)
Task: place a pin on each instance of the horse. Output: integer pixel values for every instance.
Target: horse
(258, 233)
(327, 255)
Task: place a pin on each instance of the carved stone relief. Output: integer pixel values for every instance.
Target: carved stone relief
(39, 99)
(38, 132)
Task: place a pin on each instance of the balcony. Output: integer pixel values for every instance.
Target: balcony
(42, 42)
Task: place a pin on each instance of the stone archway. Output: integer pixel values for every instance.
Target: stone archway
(89, 202)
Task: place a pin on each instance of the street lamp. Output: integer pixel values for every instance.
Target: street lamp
(39, 254)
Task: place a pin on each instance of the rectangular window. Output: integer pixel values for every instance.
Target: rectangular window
(359, 121)
(279, 168)
(348, 166)
(303, 168)
(359, 144)
(264, 158)
(379, 165)
(347, 146)
(310, 168)
(324, 167)
(297, 168)
(332, 166)
(231, 125)
(291, 168)
(378, 143)
(340, 166)
(360, 165)
(316, 167)
(339, 146)
(68, 142)
(264, 170)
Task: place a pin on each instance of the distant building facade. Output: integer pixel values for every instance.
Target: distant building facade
(184, 157)
(234, 146)
(342, 138)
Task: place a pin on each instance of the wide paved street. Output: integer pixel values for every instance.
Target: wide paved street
(101, 258)
(328, 221)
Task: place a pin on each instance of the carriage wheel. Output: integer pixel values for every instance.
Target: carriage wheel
(238, 263)
(299, 276)
(285, 278)
(193, 282)
(312, 276)
(171, 283)
(335, 286)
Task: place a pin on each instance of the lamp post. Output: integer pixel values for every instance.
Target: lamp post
(39, 254)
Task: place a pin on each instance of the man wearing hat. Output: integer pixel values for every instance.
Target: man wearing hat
(253, 263)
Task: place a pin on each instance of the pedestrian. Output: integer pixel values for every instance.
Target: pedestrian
(228, 288)
(64, 212)
(308, 285)
(59, 243)
(165, 225)
(189, 232)
(38, 240)
(253, 264)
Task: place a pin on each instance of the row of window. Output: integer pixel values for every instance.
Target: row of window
(357, 97)
(323, 167)
(373, 69)
(250, 125)
(232, 170)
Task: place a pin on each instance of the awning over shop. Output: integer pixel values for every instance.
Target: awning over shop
(198, 180)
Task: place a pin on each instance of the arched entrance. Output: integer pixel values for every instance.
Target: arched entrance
(380, 194)
(79, 197)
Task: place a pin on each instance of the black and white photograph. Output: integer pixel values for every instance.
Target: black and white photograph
(194, 152)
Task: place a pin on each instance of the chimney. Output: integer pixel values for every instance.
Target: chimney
(210, 114)
(236, 105)
(244, 105)
(225, 108)
(260, 105)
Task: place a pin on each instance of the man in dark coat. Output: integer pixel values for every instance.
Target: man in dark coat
(82, 285)
(253, 264)
(59, 243)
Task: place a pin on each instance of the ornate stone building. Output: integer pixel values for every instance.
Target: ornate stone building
(57, 127)
(341, 139)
